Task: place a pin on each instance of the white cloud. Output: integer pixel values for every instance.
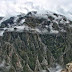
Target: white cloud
(13, 7)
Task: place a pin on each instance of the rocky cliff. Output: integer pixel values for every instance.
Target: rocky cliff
(34, 42)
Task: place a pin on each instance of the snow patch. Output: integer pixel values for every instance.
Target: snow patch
(54, 32)
(2, 64)
(22, 21)
(1, 33)
(58, 68)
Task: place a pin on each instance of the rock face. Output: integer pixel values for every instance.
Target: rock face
(30, 43)
(24, 52)
(68, 68)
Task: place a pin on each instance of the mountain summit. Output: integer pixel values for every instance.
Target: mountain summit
(46, 23)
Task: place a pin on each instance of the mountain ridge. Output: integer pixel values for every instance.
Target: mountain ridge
(35, 43)
(47, 23)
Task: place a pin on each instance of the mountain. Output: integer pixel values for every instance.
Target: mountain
(35, 42)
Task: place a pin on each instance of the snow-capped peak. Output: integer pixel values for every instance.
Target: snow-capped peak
(35, 22)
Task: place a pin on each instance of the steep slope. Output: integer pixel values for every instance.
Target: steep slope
(35, 42)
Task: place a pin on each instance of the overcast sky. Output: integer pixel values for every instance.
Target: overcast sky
(13, 7)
